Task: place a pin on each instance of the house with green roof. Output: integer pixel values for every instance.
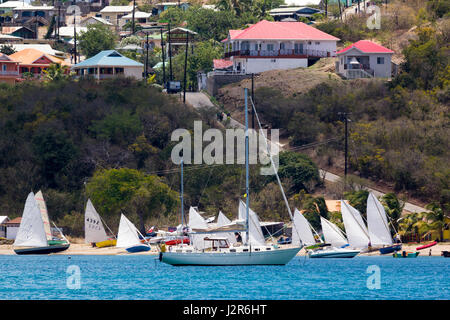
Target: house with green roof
(109, 64)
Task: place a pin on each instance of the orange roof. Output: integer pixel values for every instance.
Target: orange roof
(30, 55)
(15, 221)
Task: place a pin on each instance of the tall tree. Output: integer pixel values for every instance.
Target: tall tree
(98, 37)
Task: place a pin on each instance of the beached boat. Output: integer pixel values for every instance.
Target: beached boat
(355, 229)
(429, 245)
(128, 237)
(32, 236)
(445, 254)
(94, 230)
(254, 251)
(405, 254)
(378, 226)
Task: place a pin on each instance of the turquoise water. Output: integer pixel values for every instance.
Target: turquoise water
(144, 277)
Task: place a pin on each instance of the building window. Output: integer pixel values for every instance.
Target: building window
(4, 67)
(317, 42)
(270, 47)
(380, 60)
(273, 60)
(282, 46)
(309, 42)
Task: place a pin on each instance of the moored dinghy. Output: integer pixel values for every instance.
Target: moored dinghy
(32, 237)
(128, 238)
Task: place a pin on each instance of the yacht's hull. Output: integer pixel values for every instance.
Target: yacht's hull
(138, 248)
(42, 250)
(337, 253)
(279, 256)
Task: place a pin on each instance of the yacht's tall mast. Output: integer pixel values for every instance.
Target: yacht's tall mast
(247, 196)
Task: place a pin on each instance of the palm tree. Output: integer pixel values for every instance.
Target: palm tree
(411, 224)
(55, 72)
(394, 207)
(435, 219)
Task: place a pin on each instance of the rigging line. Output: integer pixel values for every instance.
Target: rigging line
(204, 188)
(275, 170)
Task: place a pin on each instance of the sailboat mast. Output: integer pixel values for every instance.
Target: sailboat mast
(247, 196)
(182, 190)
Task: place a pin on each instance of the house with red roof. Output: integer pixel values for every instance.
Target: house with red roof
(364, 59)
(269, 45)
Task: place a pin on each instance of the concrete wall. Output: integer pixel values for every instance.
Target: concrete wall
(257, 65)
(214, 82)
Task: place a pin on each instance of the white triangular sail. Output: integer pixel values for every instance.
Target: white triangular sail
(94, 230)
(222, 220)
(256, 236)
(377, 222)
(196, 221)
(31, 230)
(332, 234)
(128, 234)
(44, 213)
(354, 227)
(301, 230)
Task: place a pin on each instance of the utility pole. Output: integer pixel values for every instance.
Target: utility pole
(163, 58)
(146, 57)
(253, 100)
(326, 9)
(185, 66)
(74, 37)
(340, 12)
(170, 57)
(345, 116)
(132, 18)
(359, 9)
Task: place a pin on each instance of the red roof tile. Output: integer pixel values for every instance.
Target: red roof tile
(280, 31)
(15, 221)
(366, 46)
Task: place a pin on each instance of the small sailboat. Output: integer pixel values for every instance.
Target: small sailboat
(334, 236)
(34, 235)
(334, 239)
(378, 226)
(94, 231)
(254, 251)
(128, 237)
(355, 228)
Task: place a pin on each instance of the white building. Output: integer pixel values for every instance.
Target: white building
(113, 14)
(269, 45)
(3, 221)
(364, 59)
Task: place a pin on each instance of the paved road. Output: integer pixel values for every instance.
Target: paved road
(199, 99)
(331, 177)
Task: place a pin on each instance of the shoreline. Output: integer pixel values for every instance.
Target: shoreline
(86, 249)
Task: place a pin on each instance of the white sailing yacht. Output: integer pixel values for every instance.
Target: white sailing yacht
(94, 230)
(34, 235)
(378, 225)
(252, 252)
(128, 237)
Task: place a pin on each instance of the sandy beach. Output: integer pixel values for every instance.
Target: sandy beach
(85, 249)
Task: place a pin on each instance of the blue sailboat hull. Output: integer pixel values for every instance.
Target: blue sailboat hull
(391, 249)
(138, 248)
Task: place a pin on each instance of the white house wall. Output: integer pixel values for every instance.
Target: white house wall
(257, 65)
(380, 70)
(135, 72)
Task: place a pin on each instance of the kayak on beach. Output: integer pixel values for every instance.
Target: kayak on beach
(427, 245)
